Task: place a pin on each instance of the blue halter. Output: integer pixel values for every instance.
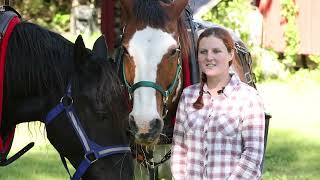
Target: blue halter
(93, 151)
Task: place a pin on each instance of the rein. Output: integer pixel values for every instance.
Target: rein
(246, 62)
(93, 151)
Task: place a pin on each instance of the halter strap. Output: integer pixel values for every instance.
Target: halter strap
(92, 151)
(164, 93)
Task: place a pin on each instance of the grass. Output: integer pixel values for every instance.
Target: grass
(41, 162)
(294, 138)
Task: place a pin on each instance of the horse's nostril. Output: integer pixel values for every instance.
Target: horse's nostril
(131, 118)
(132, 124)
(156, 123)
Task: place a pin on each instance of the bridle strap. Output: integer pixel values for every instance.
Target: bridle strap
(92, 151)
(164, 93)
(246, 63)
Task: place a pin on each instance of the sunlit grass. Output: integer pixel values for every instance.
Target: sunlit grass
(294, 138)
(41, 162)
(291, 155)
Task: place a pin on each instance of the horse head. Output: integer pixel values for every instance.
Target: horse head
(76, 92)
(152, 43)
(98, 100)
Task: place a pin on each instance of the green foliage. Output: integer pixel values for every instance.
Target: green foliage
(61, 22)
(305, 76)
(289, 11)
(232, 14)
(315, 59)
(261, 56)
(51, 14)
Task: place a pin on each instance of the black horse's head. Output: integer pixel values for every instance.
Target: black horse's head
(41, 68)
(102, 110)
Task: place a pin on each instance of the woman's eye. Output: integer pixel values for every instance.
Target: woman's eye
(216, 51)
(203, 52)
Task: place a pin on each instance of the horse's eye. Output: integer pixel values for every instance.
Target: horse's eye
(173, 52)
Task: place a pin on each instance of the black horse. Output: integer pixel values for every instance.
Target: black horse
(76, 92)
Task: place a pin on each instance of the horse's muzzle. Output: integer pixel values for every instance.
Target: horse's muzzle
(146, 134)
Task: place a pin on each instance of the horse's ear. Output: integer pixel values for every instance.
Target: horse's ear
(80, 51)
(178, 6)
(100, 48)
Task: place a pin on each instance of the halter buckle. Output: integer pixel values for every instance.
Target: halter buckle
(66, 100)
(91, 157)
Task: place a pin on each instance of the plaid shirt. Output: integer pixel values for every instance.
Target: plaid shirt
(224, 139)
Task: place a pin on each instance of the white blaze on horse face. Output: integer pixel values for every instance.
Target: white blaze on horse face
(147, 48)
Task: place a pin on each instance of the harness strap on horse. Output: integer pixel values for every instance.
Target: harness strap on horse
(92, 151)
(9, 18)
(194, 67)
(246, 63)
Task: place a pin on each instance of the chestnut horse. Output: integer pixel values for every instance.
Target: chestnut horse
(154, 40)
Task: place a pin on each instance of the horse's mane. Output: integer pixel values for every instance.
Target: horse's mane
(150, 12)
(38, 59)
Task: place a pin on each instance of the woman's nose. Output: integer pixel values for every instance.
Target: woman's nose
(210, 56)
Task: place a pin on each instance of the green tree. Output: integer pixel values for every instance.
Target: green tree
(289, 11)
(232, 14)
(52, 14)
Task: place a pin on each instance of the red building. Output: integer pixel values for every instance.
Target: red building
(308, 25)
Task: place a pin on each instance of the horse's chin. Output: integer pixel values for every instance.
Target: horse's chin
(147, 142)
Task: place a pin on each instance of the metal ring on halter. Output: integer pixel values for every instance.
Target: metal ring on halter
(165, 99)
(91, 157)
(66, 100)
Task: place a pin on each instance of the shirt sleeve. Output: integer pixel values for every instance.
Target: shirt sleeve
(178, 157)
(253, 126)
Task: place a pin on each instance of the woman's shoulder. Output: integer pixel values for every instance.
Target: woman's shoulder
(194, 88)
(191, 91)
(249, 92)
(247, 88)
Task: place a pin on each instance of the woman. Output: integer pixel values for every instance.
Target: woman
(219, 126)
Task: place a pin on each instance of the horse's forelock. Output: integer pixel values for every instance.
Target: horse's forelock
(111, 92)
(150, 12)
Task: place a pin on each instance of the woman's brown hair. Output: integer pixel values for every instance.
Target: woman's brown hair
(227, 40)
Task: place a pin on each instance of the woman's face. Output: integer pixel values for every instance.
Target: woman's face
(213, 57)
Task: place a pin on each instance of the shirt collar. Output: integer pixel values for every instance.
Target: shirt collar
(229, 88)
